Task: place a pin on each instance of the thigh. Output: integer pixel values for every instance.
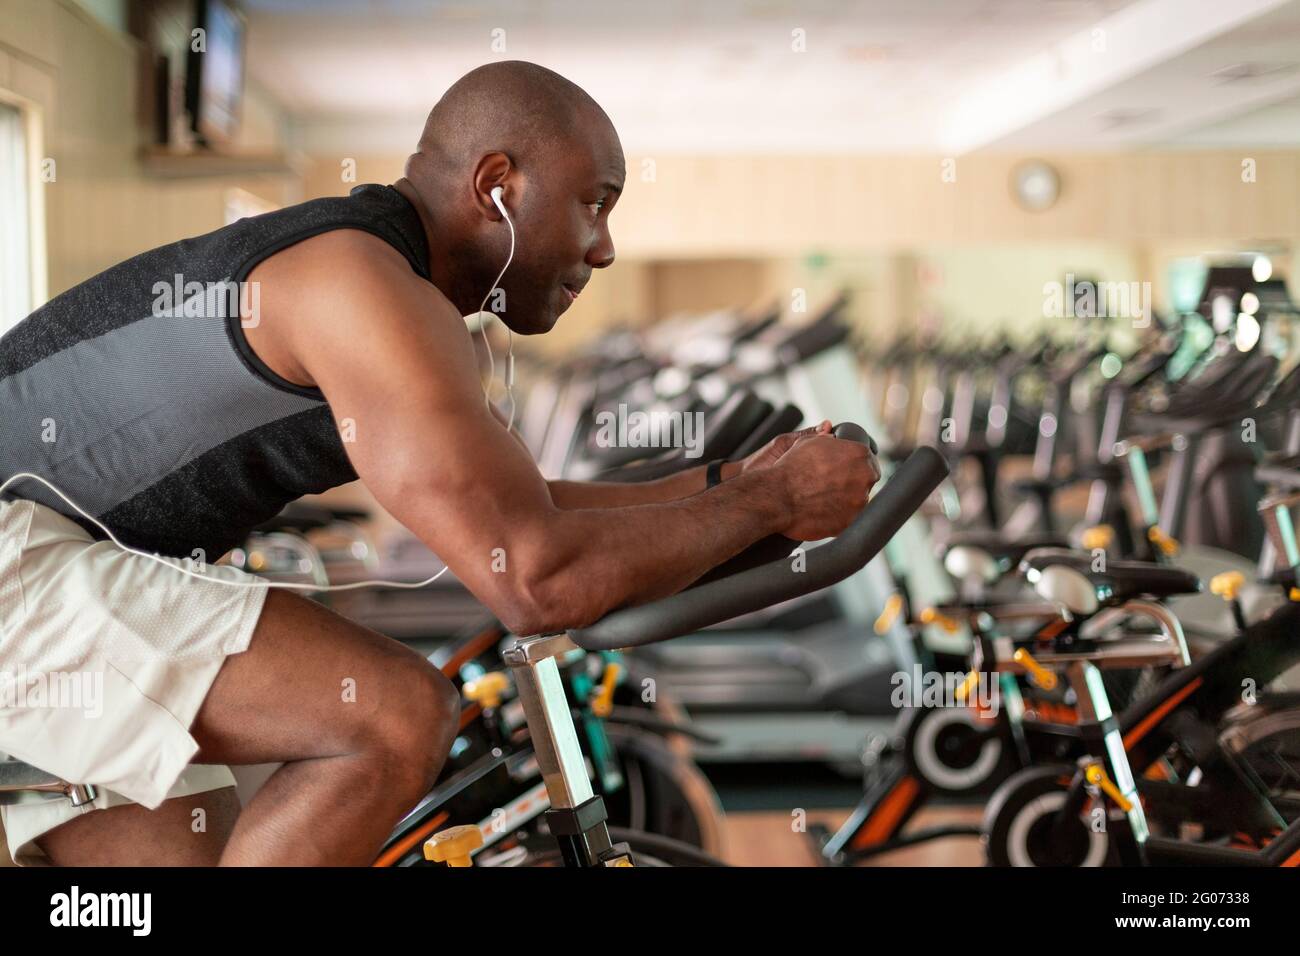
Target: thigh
(183, 831)
(309, 684)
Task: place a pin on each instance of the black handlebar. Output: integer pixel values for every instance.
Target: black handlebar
(780, 421)
(721, 600)
(728, 426)
(825, 333)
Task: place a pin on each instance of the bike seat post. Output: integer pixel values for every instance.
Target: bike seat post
(577, 816)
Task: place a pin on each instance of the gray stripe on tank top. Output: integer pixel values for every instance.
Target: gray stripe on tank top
(121, 415)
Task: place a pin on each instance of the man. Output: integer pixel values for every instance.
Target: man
(181, 424)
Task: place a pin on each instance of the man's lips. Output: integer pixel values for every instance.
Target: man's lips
(570, 291)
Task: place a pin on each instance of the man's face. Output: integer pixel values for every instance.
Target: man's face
(562, 228)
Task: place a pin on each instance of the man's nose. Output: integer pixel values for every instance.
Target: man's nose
(601, 254)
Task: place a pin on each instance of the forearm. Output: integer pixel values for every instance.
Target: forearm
(595, 560)
(575, 495)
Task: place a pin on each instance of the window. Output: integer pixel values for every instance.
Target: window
(15, 224)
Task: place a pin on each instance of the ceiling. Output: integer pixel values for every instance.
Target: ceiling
(873, 76)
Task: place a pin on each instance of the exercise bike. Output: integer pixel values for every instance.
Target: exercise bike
(577, 817)
(1193, 753)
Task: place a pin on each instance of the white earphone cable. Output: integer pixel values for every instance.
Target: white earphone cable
(171, 562)
(487, 396)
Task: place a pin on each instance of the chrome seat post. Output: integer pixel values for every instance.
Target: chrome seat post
(577, 815)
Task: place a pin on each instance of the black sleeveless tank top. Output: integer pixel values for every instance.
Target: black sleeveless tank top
(137, 394)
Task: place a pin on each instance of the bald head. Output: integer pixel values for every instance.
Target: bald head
(521, 109)
(557, 161)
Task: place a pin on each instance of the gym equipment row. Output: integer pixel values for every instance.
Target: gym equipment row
(1137, 720)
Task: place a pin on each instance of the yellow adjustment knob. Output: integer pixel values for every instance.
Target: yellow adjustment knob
(893, 607)
(964, 688)
(1099, 537)
(1167, 545)
(453, 845)
(486, 691)
(1096, 775)
(1039, 674)
(1294, 594)
(1228, 584)
(932, 616)
(602, 704)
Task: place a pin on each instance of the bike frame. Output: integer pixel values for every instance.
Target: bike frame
(1127, 746)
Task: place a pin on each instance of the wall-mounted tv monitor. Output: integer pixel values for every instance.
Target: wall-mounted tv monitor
(214, 80)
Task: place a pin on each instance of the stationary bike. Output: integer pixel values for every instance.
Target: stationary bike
(577, 817)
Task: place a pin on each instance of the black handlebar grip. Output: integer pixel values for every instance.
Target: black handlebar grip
(776, 546)
(723, 599)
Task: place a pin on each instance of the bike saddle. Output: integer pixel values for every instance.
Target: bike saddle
(1069, 578)
(989, 554)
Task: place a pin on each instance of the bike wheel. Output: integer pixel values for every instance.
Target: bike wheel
(1019, 824)
(664, 792)
(958, 753)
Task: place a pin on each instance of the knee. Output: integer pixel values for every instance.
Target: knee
(439, 713)
(415, 730)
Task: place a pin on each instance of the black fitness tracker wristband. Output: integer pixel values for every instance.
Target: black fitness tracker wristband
(713, 473)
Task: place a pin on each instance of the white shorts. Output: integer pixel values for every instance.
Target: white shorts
(105, 659)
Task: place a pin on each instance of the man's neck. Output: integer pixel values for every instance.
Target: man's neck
(440, 260)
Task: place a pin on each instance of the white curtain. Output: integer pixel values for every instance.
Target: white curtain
(15, 231)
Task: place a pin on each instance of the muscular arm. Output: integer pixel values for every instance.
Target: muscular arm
(612, 494)
(577, 494)
(572, 495)
(392, 354)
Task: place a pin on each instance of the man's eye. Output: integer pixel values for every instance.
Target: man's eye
(596, 206)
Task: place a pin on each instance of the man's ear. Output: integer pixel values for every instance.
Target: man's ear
(494, 169)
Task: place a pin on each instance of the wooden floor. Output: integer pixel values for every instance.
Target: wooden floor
(766, 838)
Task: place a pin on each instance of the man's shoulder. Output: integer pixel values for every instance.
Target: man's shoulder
(348, 248)
(323, 296)
(319, 295)
(352, 266)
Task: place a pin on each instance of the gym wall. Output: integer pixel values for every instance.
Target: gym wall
(81, 80)
(891, 229)
(888, 227)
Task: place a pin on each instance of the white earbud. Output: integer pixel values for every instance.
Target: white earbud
(497, 192)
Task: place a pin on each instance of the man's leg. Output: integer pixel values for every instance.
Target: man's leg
(130, 835)
(362, 723)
